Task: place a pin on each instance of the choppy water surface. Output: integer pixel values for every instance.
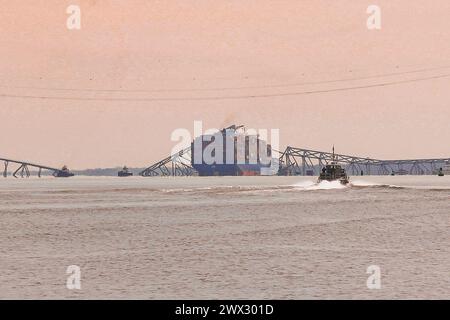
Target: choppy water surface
(232, 237)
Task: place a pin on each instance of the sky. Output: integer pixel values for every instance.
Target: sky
(112, 92)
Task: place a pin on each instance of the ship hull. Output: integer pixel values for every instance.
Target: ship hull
(229, 169)
(124, 174)
(63, 174)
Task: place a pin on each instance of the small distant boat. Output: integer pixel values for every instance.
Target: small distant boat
(334, 172)
(63, 173)
(125, 172)
(445, 170)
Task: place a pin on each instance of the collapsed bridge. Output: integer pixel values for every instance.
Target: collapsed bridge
(24, 169)
(178, 164)
(296, 161)
(305, 162)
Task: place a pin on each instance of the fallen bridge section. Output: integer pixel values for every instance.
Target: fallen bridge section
(304, 162)
(296, 161)
(178, 164)
(24, 169)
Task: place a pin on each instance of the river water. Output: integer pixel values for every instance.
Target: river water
(225, 237)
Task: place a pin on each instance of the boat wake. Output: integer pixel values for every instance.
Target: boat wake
(366, 184)
(360, 184)
(323, 185)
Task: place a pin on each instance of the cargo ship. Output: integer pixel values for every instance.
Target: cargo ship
(241, 154)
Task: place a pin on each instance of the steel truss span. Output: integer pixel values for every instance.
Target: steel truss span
(22, 169)
(296, 161)
(178, 164)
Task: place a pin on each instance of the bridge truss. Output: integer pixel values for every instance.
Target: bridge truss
(178, 164)
(296, 161)
(25, 169)
(304, 162)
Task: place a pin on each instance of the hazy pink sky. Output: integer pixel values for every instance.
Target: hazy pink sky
(196, 45)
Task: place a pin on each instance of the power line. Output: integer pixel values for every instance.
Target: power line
(211, 98)
(382, 75)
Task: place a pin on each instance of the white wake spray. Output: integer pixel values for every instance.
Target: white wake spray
(323, 185)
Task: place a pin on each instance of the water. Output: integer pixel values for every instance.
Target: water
(228, 238)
